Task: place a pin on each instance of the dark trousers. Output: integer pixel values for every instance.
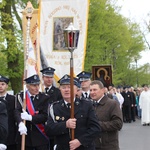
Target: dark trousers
(127, 113)
(51, 144)
(42, 147)
(11, 147)
(133, 113)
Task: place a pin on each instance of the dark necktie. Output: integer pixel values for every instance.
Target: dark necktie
(86, 95)
(96, 103)
(32, 98)
(46, 90)
(68, 105)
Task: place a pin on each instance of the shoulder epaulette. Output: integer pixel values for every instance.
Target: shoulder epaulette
(56, 102)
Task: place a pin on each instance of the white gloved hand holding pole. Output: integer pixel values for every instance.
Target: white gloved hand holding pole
(26, 116)
(3, 147)
(22, 128)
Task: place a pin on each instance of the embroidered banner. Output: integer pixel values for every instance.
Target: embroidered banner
(55, 16)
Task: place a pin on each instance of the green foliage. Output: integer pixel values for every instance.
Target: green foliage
(11, 42)
(114, 40)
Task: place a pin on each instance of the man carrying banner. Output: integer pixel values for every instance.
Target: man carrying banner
(35, 116)
(84, 123)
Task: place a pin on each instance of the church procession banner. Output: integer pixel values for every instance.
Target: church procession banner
(55, 16)
(33, 61)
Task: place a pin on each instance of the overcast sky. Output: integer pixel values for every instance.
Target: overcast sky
(137, 11)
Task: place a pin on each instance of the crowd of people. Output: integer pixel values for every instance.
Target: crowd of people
(134, 102)
(43, 118)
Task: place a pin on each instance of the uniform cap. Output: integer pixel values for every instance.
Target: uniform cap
(111, 84)
(49, 71)
(78, 84)
(66, 80)
(83, 76)
(4, 79)
(33, 79)
(119, 87)
(124, 87)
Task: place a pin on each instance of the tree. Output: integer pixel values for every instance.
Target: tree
(11, 41)
(112, 39)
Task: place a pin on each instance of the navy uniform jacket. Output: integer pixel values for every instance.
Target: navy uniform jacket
(87, 126)
(3, 122)
(54, 94)
(88, 98)
(34, 137)
(11, 120)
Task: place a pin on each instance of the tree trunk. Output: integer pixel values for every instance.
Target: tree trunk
(12, 51)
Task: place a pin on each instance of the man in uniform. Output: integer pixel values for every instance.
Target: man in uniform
(128, 101)
(35, 115)
(109, 116)
(84, 122)
(50, 89)
(133, 105)
(10, 99)
(84, 78)
(3, 124)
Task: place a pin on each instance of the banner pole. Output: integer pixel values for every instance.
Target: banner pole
(28, 10)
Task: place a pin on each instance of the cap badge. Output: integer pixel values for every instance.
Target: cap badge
(77, 103)
(65, 77)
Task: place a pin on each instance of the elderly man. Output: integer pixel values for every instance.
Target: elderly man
(84, 122)
(109, 116)
(35, 115)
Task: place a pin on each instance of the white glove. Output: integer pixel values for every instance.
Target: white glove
(3, 147)
(22, 128)
(26, 116)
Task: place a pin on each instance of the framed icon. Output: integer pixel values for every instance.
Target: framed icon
(102, 73)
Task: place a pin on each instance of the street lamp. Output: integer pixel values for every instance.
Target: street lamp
(71, 36)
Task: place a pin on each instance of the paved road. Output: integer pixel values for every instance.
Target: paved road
(134, 136)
